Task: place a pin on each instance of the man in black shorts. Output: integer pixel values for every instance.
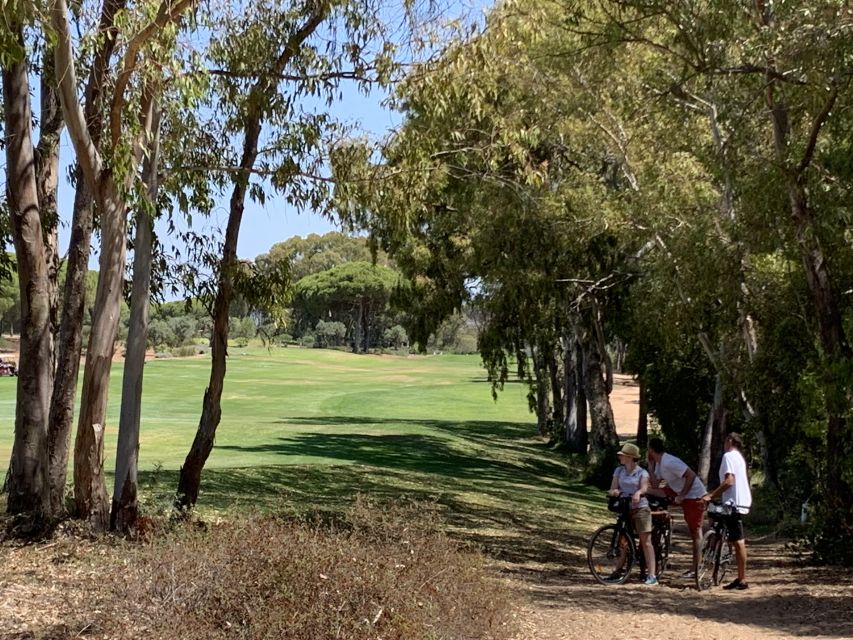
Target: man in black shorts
(734, 489)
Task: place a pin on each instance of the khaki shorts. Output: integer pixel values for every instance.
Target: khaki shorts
(642, 519)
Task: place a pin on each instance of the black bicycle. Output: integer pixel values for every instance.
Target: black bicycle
(716, 549)
(613, 549)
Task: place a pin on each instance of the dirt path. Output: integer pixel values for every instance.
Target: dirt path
(786, 599)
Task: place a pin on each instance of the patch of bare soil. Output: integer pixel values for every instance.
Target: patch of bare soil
(786, 599)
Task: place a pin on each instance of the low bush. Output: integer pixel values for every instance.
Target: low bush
(377, 573)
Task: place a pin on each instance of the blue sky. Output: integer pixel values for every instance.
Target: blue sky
(263, 225)
(276, 221)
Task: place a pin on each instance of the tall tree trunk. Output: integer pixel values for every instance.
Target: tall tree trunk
(603, 436)
(601, 344)
(621, 350)
(125, 509)
(581, 403)
(556, 391)
(28, 484)
(90, 491)
(211, 414)
(359, 327)
(570, 406)
(819, 280)
(74, 294)
(713, 436)
(47, 177)
(543, 407)
(575, 400)
(643, 417)
(70, 343)
(839, 355)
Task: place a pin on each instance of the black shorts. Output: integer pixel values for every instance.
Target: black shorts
(734, 522)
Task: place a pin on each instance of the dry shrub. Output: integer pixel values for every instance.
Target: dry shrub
(382, 572)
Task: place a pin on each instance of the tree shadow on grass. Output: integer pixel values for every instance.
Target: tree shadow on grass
(485, 502)
(415, 452)
(506, 436)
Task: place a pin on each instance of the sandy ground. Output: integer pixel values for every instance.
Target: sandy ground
(786, 599)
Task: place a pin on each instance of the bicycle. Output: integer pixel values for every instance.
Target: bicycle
(716, 550)
(613, 548)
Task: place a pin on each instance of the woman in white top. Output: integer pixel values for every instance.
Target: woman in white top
(630, 480)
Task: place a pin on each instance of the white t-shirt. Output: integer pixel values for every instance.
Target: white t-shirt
(739, 495)
(629, 483)
(672, 470)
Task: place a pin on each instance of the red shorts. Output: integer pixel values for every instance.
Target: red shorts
(694, 510)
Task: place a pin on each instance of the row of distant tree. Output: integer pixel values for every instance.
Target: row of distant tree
(342, 297)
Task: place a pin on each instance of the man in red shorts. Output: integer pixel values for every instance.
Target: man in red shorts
(683, 486)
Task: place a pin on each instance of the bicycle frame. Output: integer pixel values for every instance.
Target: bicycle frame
(622, 548)
(715, 556)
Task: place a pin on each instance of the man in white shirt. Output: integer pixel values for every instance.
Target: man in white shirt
(734, 489)
(683, 486)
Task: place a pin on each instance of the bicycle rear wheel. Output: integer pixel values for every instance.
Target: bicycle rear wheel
(709, 562)
(610, 555)
(662, 539)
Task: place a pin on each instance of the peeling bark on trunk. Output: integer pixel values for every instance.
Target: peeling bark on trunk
(125, 509)
(73, 303)
(47, 180)
(28, 485)
(70, 345)
(603, 437)
(90, 492)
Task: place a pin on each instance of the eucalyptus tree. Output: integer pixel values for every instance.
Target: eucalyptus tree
(277, 69)
(504, 183)
(28, 484)
(780, 78)
(110, 170)
(125, 508)
(77, 261)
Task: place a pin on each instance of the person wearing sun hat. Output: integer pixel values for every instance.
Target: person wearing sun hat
(630, 480)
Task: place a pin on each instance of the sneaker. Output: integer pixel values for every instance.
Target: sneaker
(614, 577)
(736, 584)
(651, 580)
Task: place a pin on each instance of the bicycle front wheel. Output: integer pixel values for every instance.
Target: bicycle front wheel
(725, 560)
(709, 562)
(610, 555)
(661, 540)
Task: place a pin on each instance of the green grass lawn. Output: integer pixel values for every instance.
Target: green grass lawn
(306, 429)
